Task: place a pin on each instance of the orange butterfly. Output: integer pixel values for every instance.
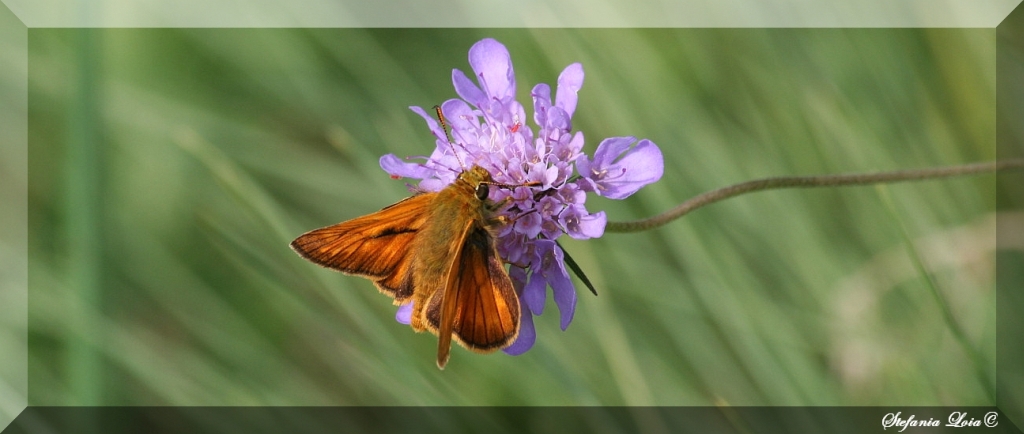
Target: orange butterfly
(437, 249)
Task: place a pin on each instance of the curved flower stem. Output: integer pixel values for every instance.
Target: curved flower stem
(810, 181)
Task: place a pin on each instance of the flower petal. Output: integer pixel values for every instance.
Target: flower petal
(513, 249)
(641, 166)
(541, 95)
(534, 294)
(558, 123)
(527, 336)
(569, 83)
(529, 225)
(493, 67)
(404, 314)
(565, 299)
(617, 172)
(611, 148)
(582, 226)
(466, 89)
(431, 122)
(553, 268)
(398, 168)
(432, 184)
(463, 121)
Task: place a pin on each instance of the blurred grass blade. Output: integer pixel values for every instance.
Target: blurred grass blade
(977, 360)
(84, 216)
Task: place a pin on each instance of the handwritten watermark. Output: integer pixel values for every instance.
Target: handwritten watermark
(956, 419)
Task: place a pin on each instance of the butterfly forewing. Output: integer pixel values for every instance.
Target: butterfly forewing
(376, 246)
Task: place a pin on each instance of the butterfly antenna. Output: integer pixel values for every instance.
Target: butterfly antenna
(511, 186)
(444, 126)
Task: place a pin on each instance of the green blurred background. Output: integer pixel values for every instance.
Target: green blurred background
(169, 169)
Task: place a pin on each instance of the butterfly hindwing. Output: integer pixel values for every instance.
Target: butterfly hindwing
(478, 306)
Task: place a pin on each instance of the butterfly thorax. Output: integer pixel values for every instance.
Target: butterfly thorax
(453, 209)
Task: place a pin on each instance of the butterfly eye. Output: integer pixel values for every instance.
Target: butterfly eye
(482, 190)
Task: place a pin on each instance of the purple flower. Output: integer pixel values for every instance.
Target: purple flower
(488, 129)
(618, 171)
